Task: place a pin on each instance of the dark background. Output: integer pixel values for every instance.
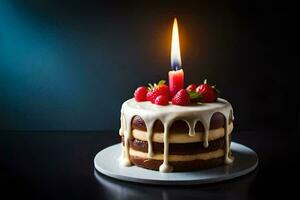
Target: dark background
(69, 65)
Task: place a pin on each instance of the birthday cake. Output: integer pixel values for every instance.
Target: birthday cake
(186, 132)
(171, 128)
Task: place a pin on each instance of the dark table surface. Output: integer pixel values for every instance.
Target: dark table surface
(59, 165)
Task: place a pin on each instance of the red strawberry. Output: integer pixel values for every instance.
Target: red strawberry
(140, 94)
(149, 96)
(191, 87)
(181, 98)
(157, 89)
(208, 93)
(161, 100)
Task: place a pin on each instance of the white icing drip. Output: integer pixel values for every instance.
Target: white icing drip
(165, 167)
(193, 132)
(126, 131)
(149, 138)
(191, 124)
(206, 123)
(227, 158)
(231, 115)
(167, 115)
(205, 142)
(122, 124)
(125, 161)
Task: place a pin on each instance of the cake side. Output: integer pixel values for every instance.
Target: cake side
(178, 139)
(186, 153)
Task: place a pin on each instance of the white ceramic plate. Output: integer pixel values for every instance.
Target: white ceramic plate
(107, 162)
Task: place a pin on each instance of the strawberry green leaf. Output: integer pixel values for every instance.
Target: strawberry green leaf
(151, 87)
(194, 96)
(161, 82)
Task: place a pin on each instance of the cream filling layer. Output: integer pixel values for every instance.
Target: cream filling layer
(173, 158)
(182, 137)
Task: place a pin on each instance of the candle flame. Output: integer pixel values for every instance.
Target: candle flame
(175, 48)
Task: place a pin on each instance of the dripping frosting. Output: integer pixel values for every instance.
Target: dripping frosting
(167, 115)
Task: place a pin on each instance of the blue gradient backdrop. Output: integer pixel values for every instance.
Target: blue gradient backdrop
(69, 65)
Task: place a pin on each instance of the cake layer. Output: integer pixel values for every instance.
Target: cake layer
(217, 121)
(178, 148)
(179, 137)
(179, 165)
(174, 158)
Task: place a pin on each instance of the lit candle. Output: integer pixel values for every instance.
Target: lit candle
(176, 75)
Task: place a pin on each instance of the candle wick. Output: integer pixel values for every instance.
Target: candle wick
(176, 67)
